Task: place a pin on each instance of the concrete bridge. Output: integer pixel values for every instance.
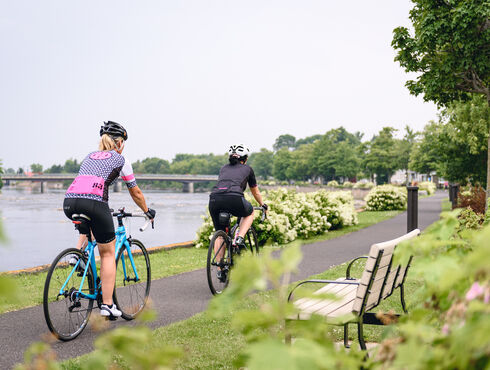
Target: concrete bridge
(187, 180)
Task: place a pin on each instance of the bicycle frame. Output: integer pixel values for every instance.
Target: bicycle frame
(121, 241)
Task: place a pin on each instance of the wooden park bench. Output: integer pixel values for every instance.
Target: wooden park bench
(357, 297)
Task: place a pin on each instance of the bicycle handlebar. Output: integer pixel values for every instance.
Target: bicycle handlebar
(120, 214)
(262, 210)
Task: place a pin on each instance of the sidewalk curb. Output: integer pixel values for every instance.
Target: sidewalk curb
(37, 269)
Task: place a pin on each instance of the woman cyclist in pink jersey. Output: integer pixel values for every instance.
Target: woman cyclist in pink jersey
(89, 195)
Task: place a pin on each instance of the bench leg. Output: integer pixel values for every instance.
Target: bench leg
(346, 336)
(402, 298)
(361, 336)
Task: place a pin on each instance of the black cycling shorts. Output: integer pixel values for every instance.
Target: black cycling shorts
(101, 224)
(237, 205)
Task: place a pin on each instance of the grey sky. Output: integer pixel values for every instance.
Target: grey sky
(195, 76)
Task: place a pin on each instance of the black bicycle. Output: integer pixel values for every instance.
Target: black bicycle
(221, 258)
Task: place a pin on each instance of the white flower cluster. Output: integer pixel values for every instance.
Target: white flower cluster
(363, 185)
(333, 184)
(292, 215)
(428, 186)
(386, 198)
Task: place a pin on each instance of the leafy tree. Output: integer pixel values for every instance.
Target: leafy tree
(449, 51)
(262, 163)
(405, 147)
(55, 168)
(425, 155)
(381, 156)
(346, 160)
(300, 163)
(182, 157)
(462, 141)
(36, 167)
(151, 165)
(284, 141)
(329, 152)
(307, 140)
(10, 170)
(281, 163)
(20, 171)
(71, 166)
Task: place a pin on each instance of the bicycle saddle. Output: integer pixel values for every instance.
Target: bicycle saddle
(81, 222)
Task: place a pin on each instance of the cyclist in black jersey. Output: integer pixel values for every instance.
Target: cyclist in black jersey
(89, 194)
(227, 194)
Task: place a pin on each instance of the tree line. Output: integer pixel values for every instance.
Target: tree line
(454, 147)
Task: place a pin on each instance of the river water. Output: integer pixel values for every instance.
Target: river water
(37, 229)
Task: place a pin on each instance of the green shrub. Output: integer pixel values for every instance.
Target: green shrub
(333, 184)
(347, 184)
(386, 198)
(473, 197)
(468, 219)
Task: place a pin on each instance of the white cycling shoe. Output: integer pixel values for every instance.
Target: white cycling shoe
(107, 311)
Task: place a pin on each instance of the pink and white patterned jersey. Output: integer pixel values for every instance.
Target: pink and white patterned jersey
(97, 172)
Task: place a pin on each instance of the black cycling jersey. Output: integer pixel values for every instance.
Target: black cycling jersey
(233, 179)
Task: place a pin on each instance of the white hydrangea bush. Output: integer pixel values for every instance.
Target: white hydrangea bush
(428, 186)
(295, 215)
(386, 198)
(364, 185)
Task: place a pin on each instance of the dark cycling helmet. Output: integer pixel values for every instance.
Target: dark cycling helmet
(114, 130)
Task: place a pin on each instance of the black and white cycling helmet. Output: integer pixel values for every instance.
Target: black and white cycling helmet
(114, 130)
(239, 150)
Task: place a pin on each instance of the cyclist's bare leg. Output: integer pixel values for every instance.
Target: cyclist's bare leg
(107, 270)
(82, 241)
(219, 242)
(245, 224)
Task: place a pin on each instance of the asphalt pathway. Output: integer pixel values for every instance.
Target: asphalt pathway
(181, 296)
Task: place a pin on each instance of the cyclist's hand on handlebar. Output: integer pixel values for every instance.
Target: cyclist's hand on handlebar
(150, 213)
(265, 207)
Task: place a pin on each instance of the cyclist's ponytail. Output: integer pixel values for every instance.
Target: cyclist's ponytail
(233, 160)
(108, 143)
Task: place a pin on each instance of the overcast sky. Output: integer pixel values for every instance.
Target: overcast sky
(195, 76)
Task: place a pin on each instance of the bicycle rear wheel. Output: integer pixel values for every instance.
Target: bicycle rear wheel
(65, 312)
(133, 279)
(218, 265)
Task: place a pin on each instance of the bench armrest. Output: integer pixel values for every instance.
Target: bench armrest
(321, 282)
(347, 272)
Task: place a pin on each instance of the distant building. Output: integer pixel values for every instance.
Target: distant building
(399, 177)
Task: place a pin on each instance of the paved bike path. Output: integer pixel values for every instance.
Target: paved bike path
(181, 296)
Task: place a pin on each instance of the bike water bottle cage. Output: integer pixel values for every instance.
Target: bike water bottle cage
(224, 218)
(82, 223)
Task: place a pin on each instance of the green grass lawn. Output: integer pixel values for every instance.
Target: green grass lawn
(167, 263)
(215, 343)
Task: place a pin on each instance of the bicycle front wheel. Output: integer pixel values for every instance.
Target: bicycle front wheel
(218, 265)
(65, 311)
(133, 279)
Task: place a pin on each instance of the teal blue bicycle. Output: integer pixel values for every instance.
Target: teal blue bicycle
(72, 285)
